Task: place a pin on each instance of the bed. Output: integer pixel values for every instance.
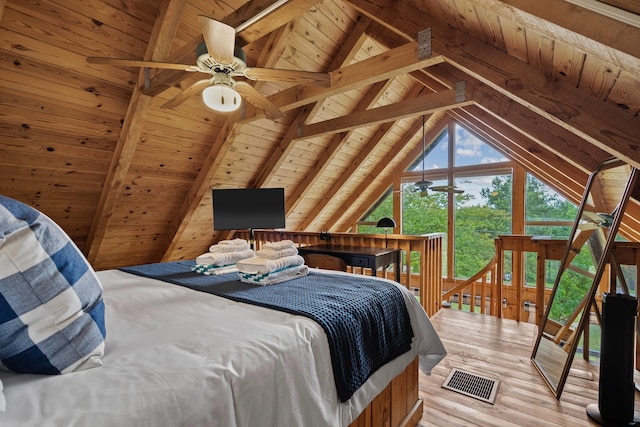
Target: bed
(175, 356)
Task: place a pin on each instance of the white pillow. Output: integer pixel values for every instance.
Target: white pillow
(51, 307)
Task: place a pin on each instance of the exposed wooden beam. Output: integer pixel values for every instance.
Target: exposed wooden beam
(336, 142)
(164, 30)
(425, 104)
(546, 133)
(353, 168)
(629, 5)
(601, 124)
(548, 17)
(344, 177)
(284, 14)
(347, 51)
(387, 65)
(567, 145)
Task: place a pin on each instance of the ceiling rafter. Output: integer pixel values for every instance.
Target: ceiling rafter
(599, 123)
(354, 166)
(387, 65)
(425, 104)
(336, 142)
(164, 30)
(284, 147)
(537, 15)
(513, 114)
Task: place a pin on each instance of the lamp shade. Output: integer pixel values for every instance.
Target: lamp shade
(386, 222)
(221, 97)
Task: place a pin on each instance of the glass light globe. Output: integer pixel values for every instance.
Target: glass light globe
(221, 97)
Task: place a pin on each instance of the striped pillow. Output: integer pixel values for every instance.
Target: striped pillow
(51, 307)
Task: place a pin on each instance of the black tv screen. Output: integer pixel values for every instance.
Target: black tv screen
(248, 208)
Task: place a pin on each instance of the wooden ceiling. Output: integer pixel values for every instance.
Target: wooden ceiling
(551, 84)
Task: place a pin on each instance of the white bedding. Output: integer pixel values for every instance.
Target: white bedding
(178, 357)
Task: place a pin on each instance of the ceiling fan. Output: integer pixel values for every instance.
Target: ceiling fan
(224, 61)
(423, 186)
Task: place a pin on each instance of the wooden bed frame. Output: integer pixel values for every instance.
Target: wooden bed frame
(398, 405)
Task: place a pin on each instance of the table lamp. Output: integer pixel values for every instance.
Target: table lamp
(386, 223)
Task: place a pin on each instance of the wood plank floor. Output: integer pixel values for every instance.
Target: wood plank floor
(501, 349)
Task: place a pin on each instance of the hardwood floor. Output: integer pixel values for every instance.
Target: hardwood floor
(501, 349)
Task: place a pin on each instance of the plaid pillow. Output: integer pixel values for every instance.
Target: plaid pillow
(51, 307)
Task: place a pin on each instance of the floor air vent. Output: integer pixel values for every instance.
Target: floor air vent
(472, 385)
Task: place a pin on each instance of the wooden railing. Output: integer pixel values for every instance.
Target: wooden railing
(515, 299)
(426, 281)
(483, 279)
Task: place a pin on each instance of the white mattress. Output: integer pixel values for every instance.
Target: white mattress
(178, 357)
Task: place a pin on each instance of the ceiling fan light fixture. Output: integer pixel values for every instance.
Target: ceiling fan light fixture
(221, 97)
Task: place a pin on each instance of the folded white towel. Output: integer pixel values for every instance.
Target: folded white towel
(276, 253)
(235, 245)
(276, 277)
(260, 265)
(224, 258)
(280, 245)
(214, 270)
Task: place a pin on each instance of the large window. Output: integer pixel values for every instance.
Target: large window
(476, 206)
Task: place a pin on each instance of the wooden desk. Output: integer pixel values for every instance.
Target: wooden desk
(354, 256)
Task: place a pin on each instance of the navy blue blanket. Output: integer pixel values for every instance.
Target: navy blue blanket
(365, 319)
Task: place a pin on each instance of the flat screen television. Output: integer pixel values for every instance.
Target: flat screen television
(248, 208)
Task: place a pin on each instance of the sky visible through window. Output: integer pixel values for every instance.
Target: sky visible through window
(469, 150)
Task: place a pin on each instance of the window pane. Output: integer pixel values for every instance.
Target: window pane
(424, 214)
(436, 156)
(544, 204)
(471, 150)
(482, 213)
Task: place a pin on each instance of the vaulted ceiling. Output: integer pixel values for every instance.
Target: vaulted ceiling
(551, 84)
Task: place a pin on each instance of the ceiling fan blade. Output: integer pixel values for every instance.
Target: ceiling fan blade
(219, 38)
(447, 189)
(139, 63)
(194, 89)
(288, 76)
(251, 95)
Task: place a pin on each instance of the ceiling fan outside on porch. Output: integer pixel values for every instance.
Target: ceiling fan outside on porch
(224, 61)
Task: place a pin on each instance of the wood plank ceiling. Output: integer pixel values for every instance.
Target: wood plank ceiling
(553, 85)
